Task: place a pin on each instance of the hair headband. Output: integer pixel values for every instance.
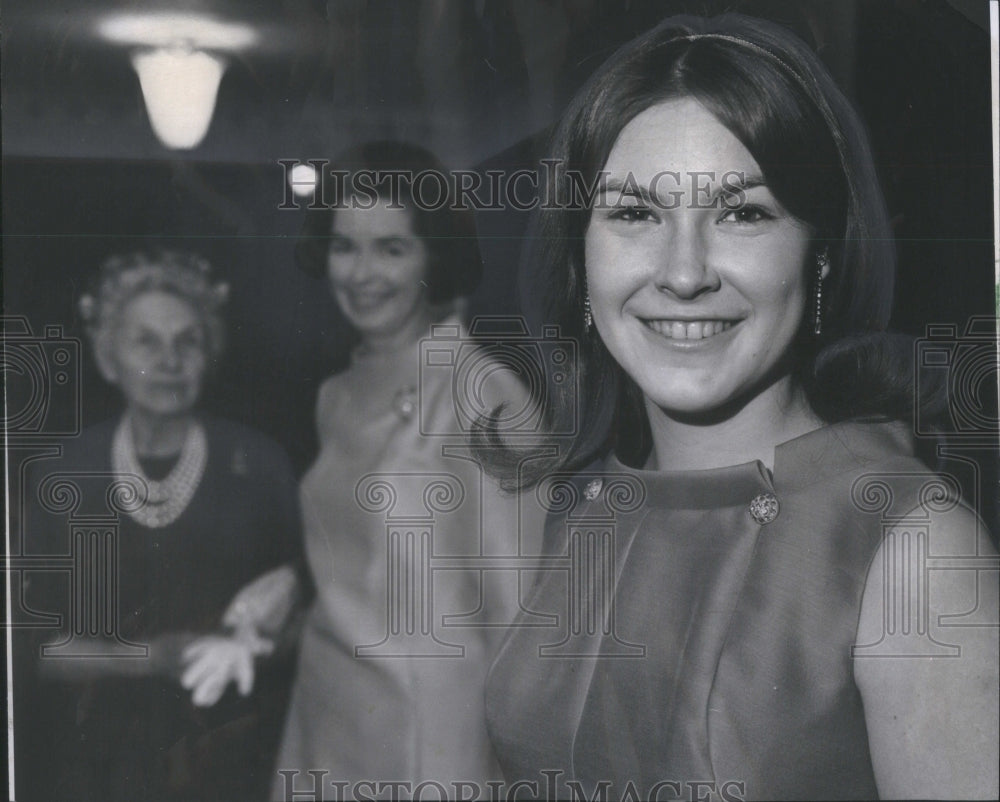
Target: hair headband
(725, 37)
(814, 93)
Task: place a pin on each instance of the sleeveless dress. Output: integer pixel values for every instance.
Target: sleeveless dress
(702, 652)
(394, 655)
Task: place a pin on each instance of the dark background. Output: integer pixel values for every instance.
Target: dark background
(478, 82)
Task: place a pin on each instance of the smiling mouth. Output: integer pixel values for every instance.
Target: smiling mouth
(368, 300)
(689, 329)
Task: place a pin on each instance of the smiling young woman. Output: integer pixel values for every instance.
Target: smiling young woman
(734, 372)
(698, 302)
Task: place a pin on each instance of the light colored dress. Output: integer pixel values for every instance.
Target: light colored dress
(406, 621)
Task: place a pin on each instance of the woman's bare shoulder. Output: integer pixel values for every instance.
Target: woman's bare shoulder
(927, 660)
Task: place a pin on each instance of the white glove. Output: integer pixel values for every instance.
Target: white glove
(212, 662)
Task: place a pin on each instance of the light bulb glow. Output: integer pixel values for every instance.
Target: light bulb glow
(171, 29)
(303, 179)
(179, 86)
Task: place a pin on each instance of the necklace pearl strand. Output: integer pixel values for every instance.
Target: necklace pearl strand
(168, 498)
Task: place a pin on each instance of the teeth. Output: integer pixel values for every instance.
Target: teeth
(689, 330)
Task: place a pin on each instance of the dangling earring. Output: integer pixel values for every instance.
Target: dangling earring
(822, 262)
(588, 318)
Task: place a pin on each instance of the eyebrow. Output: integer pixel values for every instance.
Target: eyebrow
(730, 184)
(383, 239)
(619, 184)
(146, 328)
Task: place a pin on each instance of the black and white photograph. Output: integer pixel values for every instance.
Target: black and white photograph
(589, 400)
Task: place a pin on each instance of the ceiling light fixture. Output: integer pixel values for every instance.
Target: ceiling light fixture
(180, 60)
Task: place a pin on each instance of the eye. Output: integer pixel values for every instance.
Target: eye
(340, 245)
(747, 214)
(633, 213)
(394, 247)
(191, 340)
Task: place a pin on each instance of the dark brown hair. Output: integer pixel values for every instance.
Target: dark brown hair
(773, 93)
(449, 232)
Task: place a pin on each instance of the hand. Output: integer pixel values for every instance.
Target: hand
(212, 662)
(265, 602)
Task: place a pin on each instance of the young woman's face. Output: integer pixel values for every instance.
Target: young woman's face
(157, 354)
(377, 267)
(697, 300)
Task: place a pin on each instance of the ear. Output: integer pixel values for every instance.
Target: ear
(105, 358)
(823, 262)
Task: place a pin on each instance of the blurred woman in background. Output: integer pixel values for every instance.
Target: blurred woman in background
(219, 508)
(384, 693)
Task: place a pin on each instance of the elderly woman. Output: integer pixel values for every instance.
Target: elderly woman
(219, 509)
(744, 427)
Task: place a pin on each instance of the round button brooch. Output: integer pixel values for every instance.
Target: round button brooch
(405, 402)
(764, 508)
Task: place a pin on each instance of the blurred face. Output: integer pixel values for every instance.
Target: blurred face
(697, 276)
(377, 267)
(157, 355)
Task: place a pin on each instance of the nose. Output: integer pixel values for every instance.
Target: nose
(361, 265)
(170, 357)
(682, 268)
(353, 266)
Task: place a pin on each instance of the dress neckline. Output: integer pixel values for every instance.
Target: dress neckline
(804, 460)
(366, 355)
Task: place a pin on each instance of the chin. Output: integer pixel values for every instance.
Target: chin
(173, 409)
(686, 399)
(375, 322)
(701, 409)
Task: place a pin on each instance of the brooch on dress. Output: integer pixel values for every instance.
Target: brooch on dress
(405, 402)
(764, 508)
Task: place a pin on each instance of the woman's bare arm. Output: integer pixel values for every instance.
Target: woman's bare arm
(932, 718)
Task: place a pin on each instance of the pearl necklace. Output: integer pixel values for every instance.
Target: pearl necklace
(168, 498)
